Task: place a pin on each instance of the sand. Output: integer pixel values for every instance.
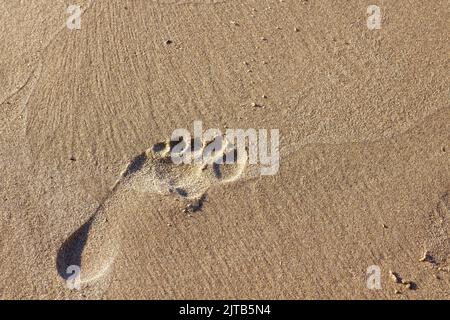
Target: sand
(363, 178)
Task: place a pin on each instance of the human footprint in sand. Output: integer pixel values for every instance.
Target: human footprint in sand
(183, 169)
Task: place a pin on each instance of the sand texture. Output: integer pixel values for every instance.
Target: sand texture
(85, 127)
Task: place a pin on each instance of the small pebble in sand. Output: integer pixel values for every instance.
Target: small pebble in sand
(444, 269)
(234, 23)
(394, 277)
(409, 285)
(167, 42)
(257, 105)
(296, 29)
(426, 257)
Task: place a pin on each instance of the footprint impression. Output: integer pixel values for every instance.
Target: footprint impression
(93, 247)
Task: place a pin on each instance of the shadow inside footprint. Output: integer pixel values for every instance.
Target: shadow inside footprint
(70, 251)
(135, 165)
(182, 192)
(217, 170)
(159, 147)
(230, 158)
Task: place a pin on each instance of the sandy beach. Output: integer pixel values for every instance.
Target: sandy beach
(349, 102)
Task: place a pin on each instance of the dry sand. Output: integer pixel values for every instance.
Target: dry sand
(364, 149)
